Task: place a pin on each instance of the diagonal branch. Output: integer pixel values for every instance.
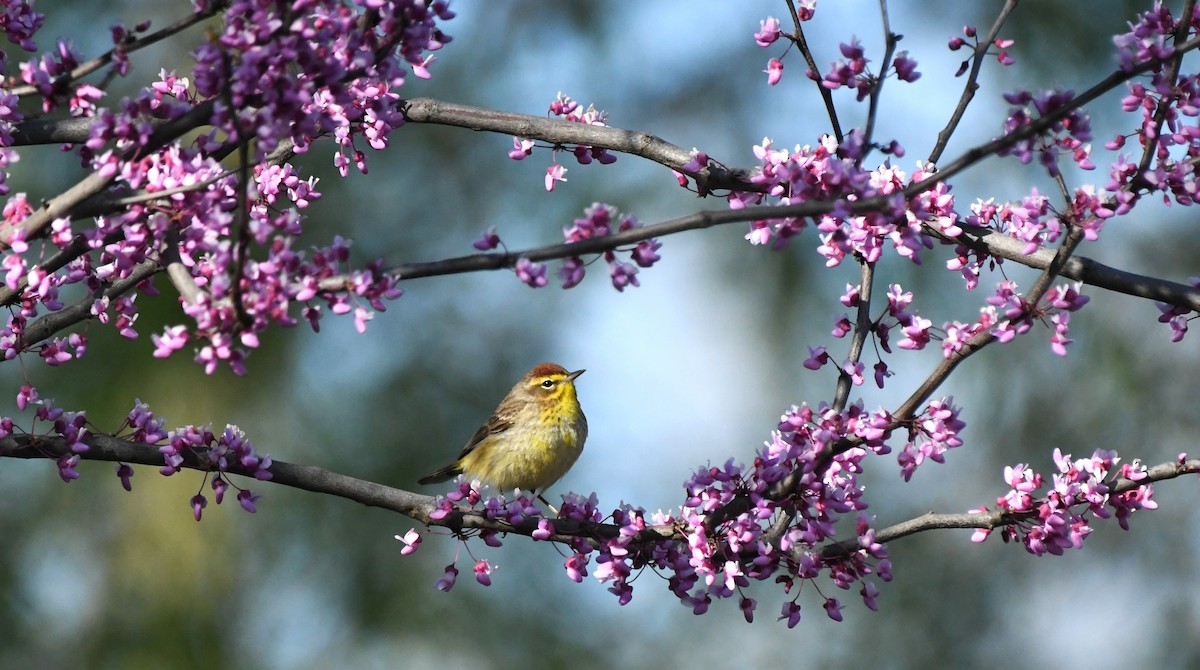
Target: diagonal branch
(66, 317)
(65, 204)
(100, 61)
(972, 84)
(561, 133)
(908, 409)
(826, 95)
(862, 328)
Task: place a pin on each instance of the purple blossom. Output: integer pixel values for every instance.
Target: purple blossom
(198, 503)
(906, 67)
(817, 358)
(554, 174)
(66, 467)
(572, 272)
(774, 71)
(125, 473)
(521, 148)
(791, 612)
(533, 274)
(489, 240)
(412, 542)
(483, 573)
(768, 32)
(447, 581)
(645, 253)
(623, 274)
(247, 499)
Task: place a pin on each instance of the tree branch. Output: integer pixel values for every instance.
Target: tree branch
(66, 317)
(424, 110)
(421, 507)
(91, 66)
(890, 39)
(972, 84)
(561, 133)
(862, 328)
(64, 205)
(982, 239)
(999, 518)
(826, 95)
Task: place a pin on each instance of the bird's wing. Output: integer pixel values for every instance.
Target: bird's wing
(495, 424)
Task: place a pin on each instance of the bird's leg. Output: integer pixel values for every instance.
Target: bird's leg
(546, 503)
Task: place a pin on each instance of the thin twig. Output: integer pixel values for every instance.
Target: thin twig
(826, 95)
(84, 69)
(972, 85)
(890, 39)
(908, 409)
(862, 328)
(1164, 106)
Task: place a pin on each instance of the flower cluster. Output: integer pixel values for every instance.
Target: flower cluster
(1149, 38)
(567, 109)
(1006, 315)
(932, 433)
(1169, 142)
(769, 32)
(599, 220)
(222, 454)
(20, 23)
(347, 90)
(71, 426)
(971, 37)
(1069, 133)
(1177, 317)
(231, 249)
(242, 269)
(1057, 519)
(852, 72)
(830, 172)
(731, 521)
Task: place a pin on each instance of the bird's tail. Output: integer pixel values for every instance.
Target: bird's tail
(441, 474)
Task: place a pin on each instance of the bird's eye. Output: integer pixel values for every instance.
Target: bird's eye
(548, 384)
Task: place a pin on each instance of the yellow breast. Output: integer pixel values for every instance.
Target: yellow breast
(527, 458)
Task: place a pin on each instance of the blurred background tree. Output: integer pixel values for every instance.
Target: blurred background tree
(694, 366)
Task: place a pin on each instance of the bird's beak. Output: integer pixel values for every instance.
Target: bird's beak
(572, 375)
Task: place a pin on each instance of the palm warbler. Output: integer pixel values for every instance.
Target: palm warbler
(532, 438)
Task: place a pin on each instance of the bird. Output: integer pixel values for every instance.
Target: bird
(532, 438)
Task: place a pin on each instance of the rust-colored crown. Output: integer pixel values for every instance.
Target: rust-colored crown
(546, 369)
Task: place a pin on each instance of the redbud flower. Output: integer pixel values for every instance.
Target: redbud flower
(554, 173)
(198, 502)
(483, 572)
(533, 274)
(768, 32)
(774, 71)
(447, 581)
(411, 540)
